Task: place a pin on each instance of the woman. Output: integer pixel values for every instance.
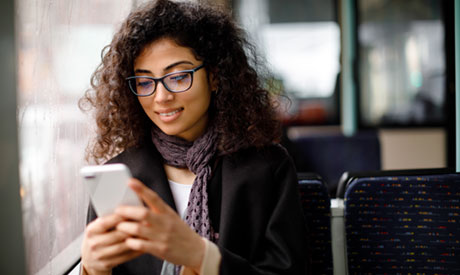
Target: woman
(177, 101)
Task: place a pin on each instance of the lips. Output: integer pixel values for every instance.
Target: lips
(170, 113)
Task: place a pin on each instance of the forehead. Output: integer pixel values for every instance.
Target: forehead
(163, 52)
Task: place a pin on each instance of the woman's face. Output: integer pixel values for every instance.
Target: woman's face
(182, 114)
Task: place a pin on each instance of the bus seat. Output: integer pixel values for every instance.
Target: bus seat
(403, 224)
(316, 206)
(331, 154)
(349, 176)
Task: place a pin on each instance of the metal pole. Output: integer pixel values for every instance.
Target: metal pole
(12, 260)
(349, 106)
(457, 84)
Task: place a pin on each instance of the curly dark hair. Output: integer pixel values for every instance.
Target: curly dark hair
(242, 109)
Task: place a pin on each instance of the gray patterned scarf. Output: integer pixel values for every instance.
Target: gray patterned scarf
(196, 156)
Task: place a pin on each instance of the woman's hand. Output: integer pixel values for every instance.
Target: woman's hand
(104, 248)
(158, 230)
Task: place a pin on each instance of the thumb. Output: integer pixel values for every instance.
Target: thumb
(150, 197)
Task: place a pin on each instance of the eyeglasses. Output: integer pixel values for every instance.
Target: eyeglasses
(176, 82)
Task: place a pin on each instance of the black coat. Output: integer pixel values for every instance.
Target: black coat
(253, 203)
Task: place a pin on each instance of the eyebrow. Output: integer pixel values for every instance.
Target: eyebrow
(166, 68)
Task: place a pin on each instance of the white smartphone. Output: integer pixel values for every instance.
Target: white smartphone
(107, 186)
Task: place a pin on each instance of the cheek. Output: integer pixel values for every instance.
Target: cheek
(203, 97)
(201, 102)
(145, 104)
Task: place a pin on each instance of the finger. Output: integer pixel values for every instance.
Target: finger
(108, 239)
(134, 229)
(112, 261)
(129, 255)
(112, 251)
(135, 213)
(145, 246)
(119, 259)
(151, 198)
(103, 224)
(157, 249)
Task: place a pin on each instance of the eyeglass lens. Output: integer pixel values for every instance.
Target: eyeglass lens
(175, 83)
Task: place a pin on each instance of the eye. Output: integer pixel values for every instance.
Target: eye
(179, 77)
(144, 83)
(179, 81)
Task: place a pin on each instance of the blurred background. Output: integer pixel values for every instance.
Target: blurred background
(391, 56)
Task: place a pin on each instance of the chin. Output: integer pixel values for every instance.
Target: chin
(167, 131)
(170, 131)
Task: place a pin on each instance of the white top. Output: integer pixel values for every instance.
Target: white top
(181, 194)
(212, 256)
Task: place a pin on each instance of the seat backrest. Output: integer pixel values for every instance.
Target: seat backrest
(317, 211)
(329, 155)
(349, 176)
(403, 224)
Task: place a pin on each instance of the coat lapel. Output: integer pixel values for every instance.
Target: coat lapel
(147, 166)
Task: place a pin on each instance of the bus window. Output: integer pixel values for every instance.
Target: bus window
(402, 63)
(301, 43)
(58, 45)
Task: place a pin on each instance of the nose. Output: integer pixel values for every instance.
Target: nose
(162, 94)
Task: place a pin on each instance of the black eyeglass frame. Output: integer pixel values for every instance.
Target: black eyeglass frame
(160, 79)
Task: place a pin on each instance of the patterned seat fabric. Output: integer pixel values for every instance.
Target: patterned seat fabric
(317, 208)
(403, 225)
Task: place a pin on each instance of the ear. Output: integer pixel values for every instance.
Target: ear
(213, 82)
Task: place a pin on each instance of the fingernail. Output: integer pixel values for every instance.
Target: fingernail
(134, 184)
